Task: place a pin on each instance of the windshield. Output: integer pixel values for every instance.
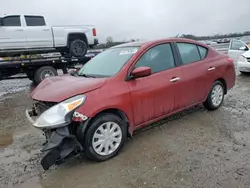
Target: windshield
(107, 63)
(246, 39)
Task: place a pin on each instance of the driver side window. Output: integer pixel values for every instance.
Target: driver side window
(158, 58)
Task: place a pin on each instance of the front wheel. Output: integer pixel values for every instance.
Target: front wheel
(215, 97)
(105, 137)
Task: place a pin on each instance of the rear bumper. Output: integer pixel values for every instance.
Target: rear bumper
(94, 43)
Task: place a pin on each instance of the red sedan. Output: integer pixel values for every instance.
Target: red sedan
(123, 89)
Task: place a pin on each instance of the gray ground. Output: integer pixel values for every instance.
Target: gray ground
(195, 148)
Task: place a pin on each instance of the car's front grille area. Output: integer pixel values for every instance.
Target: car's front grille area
(41, 106)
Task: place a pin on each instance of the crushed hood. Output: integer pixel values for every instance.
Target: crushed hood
(57, 89)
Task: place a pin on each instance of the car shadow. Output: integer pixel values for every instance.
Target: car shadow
(75, 161)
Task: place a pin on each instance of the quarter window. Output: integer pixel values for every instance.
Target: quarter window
(158, 58)
(189, 53)
(203, 52)
(34, 20)
(11, 21)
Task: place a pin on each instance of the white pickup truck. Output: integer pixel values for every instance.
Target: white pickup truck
(29, 34)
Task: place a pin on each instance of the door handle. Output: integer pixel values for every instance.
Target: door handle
(19, 30)
(211, 68)
(176, 79)
(45, 29)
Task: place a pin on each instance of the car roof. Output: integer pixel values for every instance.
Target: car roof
(151, 42)
(5, 15)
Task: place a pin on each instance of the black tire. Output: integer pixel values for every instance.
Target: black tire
(244, 73)
(208, 104)
(78, 48)
(44, 72)
(97, 122)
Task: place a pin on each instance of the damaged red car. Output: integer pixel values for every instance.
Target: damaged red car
(124, 88)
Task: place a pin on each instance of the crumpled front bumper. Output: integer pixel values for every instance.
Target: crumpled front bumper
(59, 143)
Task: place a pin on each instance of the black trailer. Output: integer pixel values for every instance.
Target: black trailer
(37, 69)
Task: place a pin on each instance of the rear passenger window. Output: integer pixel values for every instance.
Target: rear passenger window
(189, 53)
(34, 20)
(158, 58)
(203, 52)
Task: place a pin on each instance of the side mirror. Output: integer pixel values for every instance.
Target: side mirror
(243, 48)
(141, 72)
(1, 21)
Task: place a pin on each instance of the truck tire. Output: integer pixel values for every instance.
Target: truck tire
(44, 72)
(78, 48)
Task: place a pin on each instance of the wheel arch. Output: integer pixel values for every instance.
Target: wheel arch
(223, 81)
(114, 111)
(118, 113)
(73, 36)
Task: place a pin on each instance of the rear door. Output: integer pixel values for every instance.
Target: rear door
(12, 34)
(37, 33)
(195, 69)
(154, 96)
(235, 50)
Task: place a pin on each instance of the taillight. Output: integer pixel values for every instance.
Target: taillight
(230, 60)
(94, 32)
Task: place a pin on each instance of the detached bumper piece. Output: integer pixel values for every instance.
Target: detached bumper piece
(59, 146)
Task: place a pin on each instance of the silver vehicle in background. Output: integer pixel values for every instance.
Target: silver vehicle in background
(239, 51)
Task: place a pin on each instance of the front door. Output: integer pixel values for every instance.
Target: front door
(154, 96)
(12, 35)
(236, 49)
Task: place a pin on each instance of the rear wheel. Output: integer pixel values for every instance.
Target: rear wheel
(105, 137)
(44, 72)
(215, 97)
(78, 48)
